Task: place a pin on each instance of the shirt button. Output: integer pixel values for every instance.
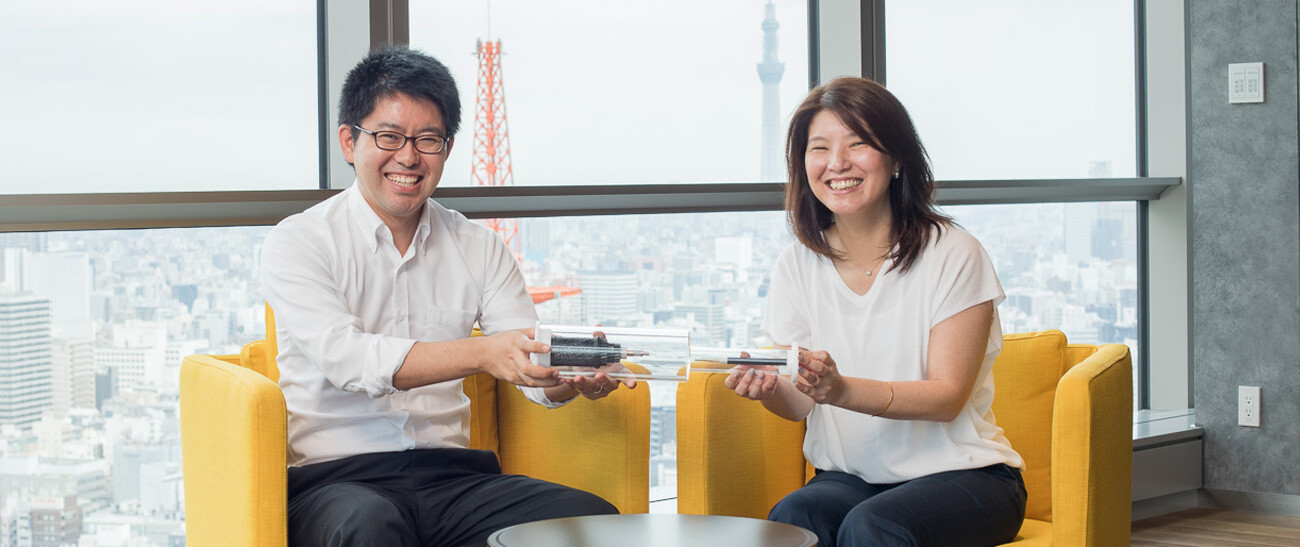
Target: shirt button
(401, 319)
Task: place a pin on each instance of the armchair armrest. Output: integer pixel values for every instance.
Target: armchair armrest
(1092, 450)
(233, 443)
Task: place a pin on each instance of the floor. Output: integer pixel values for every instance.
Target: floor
(1217, 528)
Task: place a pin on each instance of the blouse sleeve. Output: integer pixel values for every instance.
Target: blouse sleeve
(787, 320)
(964, 275)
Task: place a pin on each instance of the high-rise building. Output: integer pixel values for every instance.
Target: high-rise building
(37, 242)
(134, 369)
(12, 245)
(137, 355)
(26, 388)
(663, 435)
(738, 251)
(708, 323)
(72, 374)
(56, 521)
(1077, 231)
(769, 72)
(64, 279)
(609, 297)
(1108, 238)
(28, 477)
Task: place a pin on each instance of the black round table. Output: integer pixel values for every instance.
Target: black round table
(645, 530)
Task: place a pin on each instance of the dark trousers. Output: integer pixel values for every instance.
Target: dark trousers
(970, 507)
(440, 496)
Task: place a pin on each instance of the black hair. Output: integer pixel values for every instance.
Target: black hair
(398, 69)
(877, 117)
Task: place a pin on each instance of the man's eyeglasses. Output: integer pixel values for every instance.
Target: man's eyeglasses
(392, 140)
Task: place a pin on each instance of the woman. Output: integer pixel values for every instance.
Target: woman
(899, 306)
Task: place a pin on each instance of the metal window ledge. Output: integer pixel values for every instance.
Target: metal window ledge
(50, 212)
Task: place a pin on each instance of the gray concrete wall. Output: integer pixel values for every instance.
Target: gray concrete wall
(1244, 187)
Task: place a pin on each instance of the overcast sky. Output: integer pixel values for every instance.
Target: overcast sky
(152, 95)
(620, 92)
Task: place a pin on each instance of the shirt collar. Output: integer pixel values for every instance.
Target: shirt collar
(426, 227)
(369, 222)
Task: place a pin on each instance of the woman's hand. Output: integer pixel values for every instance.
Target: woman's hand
(753, 382)
(819, 378)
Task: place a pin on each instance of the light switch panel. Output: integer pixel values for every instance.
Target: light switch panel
(1245, 83)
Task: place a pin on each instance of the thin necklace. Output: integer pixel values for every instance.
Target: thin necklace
(862, 267)
(868, 270)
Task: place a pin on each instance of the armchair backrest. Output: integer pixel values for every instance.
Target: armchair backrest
(1067, 409)
(1025, 377)
(261, 355)
(733, 456)
(600, 446)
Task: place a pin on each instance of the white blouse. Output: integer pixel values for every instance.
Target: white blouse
(885, 335)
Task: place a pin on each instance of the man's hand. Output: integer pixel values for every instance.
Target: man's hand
(599, 384)
(505, 356)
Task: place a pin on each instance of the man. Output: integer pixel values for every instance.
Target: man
(376, 291)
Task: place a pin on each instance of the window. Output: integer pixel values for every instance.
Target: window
(1066, 266)
(157, 97)
(705, 272)
(625, 116)
(610, 93)
(97, 419)
(1029, 90)
(1018, 90)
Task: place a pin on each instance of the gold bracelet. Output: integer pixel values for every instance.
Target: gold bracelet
(888, 402)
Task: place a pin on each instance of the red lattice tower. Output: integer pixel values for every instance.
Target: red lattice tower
(492, 138)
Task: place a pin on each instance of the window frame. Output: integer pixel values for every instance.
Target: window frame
(347, 30)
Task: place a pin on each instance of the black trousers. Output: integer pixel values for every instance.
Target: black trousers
(438, 496)
(973, 507)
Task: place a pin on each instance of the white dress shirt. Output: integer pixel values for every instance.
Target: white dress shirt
(349, 308)
(885, 335)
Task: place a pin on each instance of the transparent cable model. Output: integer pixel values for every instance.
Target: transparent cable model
(637, 353)
(784, 361)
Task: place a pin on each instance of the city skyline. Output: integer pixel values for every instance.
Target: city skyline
(196, 291)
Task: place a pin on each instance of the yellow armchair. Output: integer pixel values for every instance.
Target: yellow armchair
(1067, 408)
(234, 442)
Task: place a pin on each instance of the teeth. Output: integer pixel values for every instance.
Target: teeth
(405, 180)
(845, 184)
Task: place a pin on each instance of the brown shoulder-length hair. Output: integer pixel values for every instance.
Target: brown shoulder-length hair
(875, 115)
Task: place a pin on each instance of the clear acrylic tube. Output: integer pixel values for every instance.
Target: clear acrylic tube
(784, 361)
(636, 353)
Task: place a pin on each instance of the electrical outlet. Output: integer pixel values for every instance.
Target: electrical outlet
(1248, 406)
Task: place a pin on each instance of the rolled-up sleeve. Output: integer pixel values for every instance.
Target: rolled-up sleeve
(303, 282)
